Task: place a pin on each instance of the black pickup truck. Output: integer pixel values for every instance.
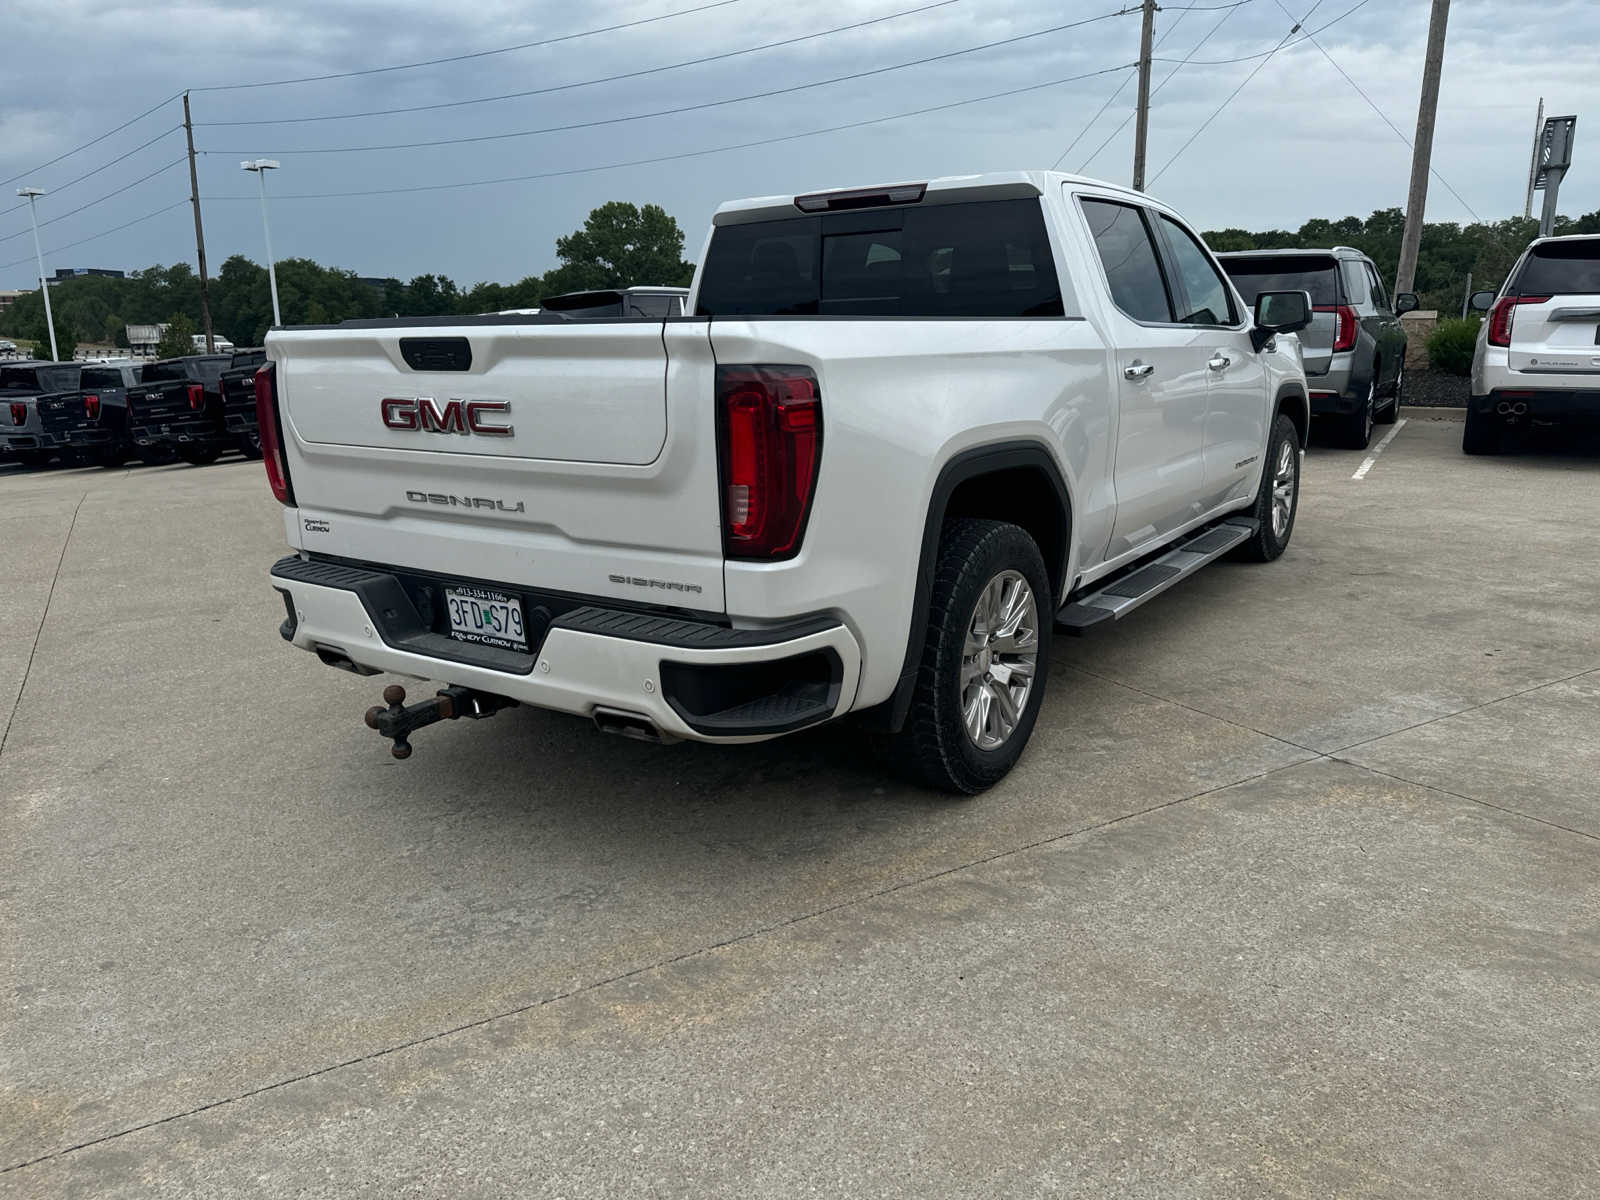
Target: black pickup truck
(92, 420)
(238, 388)
(22, 436)
(176, 411)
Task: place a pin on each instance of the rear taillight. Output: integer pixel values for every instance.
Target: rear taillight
(197, 396)
(19, 413)
(91, 406)
(770, 422)
(1500, 317)
(1344, 334)
(270, 431)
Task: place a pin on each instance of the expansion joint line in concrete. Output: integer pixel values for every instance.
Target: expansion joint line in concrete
(43, 617)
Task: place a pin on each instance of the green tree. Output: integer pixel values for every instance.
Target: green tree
(178, 340)
(66, 343)
(620, 245)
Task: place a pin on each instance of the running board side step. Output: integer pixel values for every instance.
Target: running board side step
(1125, 593)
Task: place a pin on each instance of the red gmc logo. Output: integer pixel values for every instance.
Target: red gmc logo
(456, 416)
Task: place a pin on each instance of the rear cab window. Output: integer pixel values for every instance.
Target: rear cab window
(1561, 268)
(1314, 273)
(979, 259)
(1128, 253)
(101, 377)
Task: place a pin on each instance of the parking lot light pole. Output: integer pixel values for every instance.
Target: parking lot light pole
(261, 166)
(44, 288)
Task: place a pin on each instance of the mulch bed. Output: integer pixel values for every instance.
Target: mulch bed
(1425, 386)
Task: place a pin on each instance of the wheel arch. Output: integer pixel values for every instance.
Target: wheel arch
(1017, 481)
(1293, 401)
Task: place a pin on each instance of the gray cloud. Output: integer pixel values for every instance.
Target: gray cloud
(1297, 143)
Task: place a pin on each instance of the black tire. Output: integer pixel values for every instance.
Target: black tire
(33, 458)
(157, 456)
(935, 747)
(199, 456)
(250, 445)
(1355, 430)
(1269, 540)
(1482, 434)
(1390, 413)
(111, 457)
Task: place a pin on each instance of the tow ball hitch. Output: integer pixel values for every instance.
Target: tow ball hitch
(399, 720)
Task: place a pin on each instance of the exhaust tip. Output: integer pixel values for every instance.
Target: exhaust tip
(629, 725)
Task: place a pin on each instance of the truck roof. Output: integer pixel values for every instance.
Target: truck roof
(992, 185)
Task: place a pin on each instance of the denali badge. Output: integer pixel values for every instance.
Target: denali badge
(457, 416)
(452, 501)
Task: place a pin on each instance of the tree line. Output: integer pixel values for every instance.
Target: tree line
(621, 244)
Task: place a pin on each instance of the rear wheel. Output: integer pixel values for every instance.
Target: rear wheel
(985, 659)
(250, 444)
(199, 456)
(111, 457)
(1482, 434)
(1356, 429)
(33, 458)
(156, 456)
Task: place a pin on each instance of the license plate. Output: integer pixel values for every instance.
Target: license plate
(489, 618)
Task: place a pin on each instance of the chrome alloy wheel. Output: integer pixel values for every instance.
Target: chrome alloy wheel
(998, 660)
(1284, 477)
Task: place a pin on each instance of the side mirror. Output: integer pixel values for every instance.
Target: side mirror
(1406, 302)
(1481, 301)
(1279, 312)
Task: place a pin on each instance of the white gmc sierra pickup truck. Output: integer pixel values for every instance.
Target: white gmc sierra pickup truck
(901, 435)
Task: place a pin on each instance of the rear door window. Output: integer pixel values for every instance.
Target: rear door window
(1380, 296)
(1207, 300)
(983, 259)
(1132, 266)
(1561, 269)
(1317, 274)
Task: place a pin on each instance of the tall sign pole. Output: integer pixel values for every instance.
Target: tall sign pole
(1422, 148)
(199, 233)
(1141, 128)
(1551, 158)
(1533, 161)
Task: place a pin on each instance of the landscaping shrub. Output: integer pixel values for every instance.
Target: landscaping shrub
(1450, 346)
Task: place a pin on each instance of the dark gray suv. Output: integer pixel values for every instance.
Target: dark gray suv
(1354, 347)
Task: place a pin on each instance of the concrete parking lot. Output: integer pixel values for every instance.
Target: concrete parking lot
(1295, 893)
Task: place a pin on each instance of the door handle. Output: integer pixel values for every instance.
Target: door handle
(1219, 361)
(1138, 370)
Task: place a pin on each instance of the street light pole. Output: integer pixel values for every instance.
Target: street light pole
(44, 288)
(261, 166)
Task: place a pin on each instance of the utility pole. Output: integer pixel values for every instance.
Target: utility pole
(199, 232)
(1533, 162)
(1422, 148)
(1141, 126)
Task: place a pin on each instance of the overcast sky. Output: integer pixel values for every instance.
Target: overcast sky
(1297, 142)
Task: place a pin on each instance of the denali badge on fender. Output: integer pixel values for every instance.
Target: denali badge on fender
(457, 416)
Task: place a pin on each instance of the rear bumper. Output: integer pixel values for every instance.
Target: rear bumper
(181, 430)
(1545, 404)
(239, 418)
(32, 439)
(1337, 391)
(690, 678)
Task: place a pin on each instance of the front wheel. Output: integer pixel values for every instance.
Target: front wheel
(985, 659)
(1278, 497)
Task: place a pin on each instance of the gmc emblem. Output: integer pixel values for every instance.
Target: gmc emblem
(457, 416)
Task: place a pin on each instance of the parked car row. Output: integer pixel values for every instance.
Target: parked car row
(192, 408)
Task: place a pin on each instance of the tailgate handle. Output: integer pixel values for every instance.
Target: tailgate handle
(437, 354)
(1574, 314)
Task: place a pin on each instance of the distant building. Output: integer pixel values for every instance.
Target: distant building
(71, 272)
(7, 299)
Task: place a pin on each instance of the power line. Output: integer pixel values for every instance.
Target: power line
(97, 236)
(1372, 104)
(94, 141)
(763, 95)
(74, 212)
(1193, 50)
(661, 158)
(1253, 73)
(563, 87)
(61, 187)
(453, 58)
(1284, 45)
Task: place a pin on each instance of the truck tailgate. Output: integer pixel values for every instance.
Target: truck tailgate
(578, 458)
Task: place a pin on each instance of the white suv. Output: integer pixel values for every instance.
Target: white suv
(1538, 353)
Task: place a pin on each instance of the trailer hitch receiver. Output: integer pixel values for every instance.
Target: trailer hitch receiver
(399, 719)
